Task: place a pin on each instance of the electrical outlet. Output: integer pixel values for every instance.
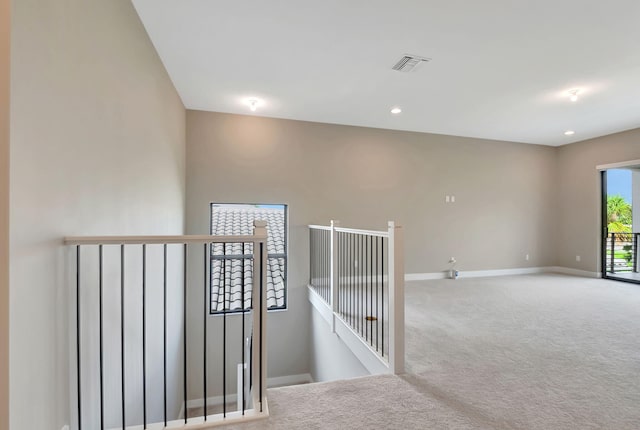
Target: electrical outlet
(526, 257)
(65, 427)
(453, 199)
(578, 258)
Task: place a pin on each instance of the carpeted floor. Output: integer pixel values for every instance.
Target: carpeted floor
(375, 402)
(527, 352)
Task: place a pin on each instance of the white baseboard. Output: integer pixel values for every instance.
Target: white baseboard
(474, 273)
(277, 381)
(426, 276)
(211, 401)
(574, 272)
(280, 381)
(501, 272)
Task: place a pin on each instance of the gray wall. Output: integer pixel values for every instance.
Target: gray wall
(365, 177)
(578, 195)
(97, 147)
(90, 345)
(5, 26)
(330, 358)
(215, 326)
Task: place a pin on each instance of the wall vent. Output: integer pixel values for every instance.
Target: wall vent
(409, 62)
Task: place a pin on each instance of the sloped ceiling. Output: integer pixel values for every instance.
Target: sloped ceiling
(500, 69)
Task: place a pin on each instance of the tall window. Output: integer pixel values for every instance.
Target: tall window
(232, 264)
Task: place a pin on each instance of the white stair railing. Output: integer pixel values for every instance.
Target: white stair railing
(138, 339)
(359, 276)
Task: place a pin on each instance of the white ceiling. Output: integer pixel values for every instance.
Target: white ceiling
(500, 69)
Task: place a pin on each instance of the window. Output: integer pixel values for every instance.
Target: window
(232, 265)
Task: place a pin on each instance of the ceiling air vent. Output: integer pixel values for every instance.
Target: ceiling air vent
(409, 63)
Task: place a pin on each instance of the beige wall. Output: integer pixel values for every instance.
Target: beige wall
(97, 139)
(330, 359)
(579, 194)
(97, 147)
(5, 26)
(365, 177)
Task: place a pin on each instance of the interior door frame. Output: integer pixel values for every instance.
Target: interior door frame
(604, 231)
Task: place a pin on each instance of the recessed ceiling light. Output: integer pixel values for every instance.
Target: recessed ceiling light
(396, 110)
(569, 132)
(253, 103)
(573, 95)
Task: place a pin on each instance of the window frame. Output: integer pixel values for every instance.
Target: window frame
(285, 257)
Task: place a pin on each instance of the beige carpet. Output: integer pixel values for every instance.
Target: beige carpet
(376, 402)
(528, 352)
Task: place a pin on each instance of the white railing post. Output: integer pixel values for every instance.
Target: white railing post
(396, 298)
(334, 273)
(259, 298)
(240, 386)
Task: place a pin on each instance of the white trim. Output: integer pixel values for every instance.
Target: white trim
(333, 299)
(321, 306)
(216, 420)
(574, 272)
(375, 364)
(281, 381)
(259, 235)
(502, 272)
(319, 227)
(211, 401)
(159, 240)
(363, 232)
(426, 276)
(362, 351)
(351, 230)
(630, 163)
(396, 298)
(277, 381)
